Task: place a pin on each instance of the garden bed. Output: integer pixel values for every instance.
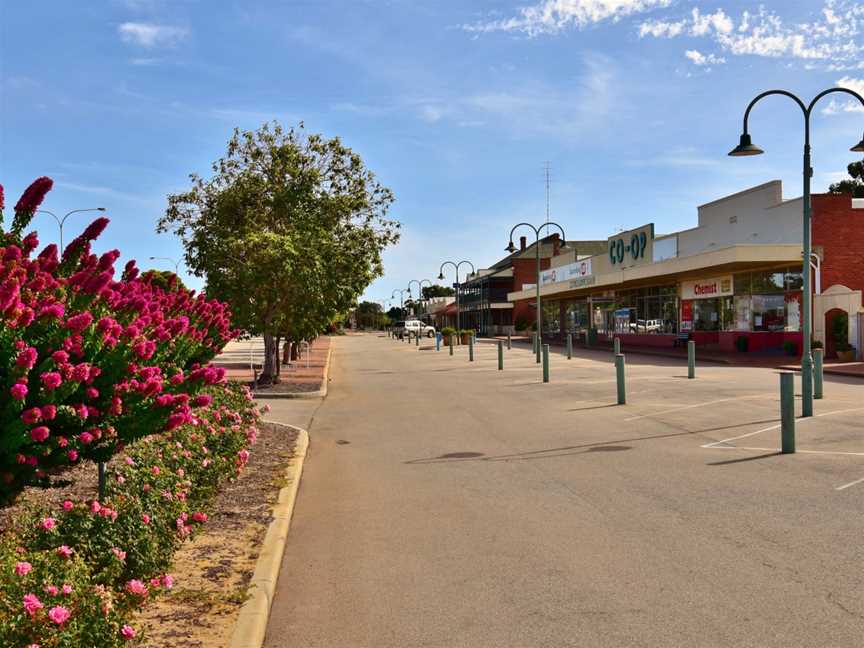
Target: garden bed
(212, 571)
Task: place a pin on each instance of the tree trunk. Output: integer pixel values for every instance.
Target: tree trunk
(295, 351)
(278, 358)
(286, 352)
(268, 371)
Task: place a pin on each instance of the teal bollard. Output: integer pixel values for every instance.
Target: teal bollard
(471, 349)
(616, 346)
(787, 412)
(817, 373)
(545, 363)
(569, 346)
(509, 343)
(691, 359)
(437, 341)
(500, 355)
(619, 375)
(451, 344)
(533, 343)
(417, 340)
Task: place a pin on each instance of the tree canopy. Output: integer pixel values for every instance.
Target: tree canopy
(437, 290)
(289, 230)
(854, 184)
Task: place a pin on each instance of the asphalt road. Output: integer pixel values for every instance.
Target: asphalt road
(445, 503)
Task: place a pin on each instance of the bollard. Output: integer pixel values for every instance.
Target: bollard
(451, 344)
(691, 359)
(619, 375)
(817, 373)
(616, 346)
(500, 355)
(569, 346)
(417, 340)
(787, 412)
(471, 348)
(509, 343)
(533, 343)
(538, 348)
(437, 341)
(545, 363)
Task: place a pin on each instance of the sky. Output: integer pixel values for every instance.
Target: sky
(456, 105)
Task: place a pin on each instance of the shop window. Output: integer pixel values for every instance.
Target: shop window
(742, 313)
(769, 312)
(551, 317)
(576, 316)
(742, 283)
(768, 282)
(706, 314)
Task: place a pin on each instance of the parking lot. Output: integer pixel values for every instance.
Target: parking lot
(458, 505)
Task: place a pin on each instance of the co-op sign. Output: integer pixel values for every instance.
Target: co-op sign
(573, 270)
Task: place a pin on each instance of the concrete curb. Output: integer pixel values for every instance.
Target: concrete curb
(320, 393)
(251, 626)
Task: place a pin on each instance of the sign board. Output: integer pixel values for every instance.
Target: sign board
(707, 288)
(573, 270)
(581, 282)
(529, 286)
(632, 248)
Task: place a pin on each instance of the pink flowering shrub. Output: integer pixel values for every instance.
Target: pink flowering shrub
(90, 362)
(99, 561)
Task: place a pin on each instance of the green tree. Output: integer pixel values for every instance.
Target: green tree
(289, 230)
(164, 279)
(369, 314)
(854, 184)
(437, 291)
(396, 314)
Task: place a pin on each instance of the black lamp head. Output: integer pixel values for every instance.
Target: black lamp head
(859, 147)
(441, 276)
(745, 147)
(511, 248)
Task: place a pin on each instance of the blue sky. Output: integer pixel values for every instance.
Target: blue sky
(456, 105)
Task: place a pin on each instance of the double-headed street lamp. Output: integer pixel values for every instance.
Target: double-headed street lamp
(419, 289)
(401, 292)
(170, 260)
(456, 267)
(62, 221)
(747, 148)
(512, 248)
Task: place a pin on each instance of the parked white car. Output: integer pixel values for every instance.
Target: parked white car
(413, 328)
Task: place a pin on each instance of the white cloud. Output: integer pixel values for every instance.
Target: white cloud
(700, 59)
(838, 105)
(150, 35)
(553, 16)
(834, 39)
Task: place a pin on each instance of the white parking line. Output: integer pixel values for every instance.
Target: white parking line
(775, 427)
(686, 407)
(852, 483)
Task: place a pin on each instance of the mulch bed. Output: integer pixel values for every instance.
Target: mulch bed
(212, 572)
(286, 387)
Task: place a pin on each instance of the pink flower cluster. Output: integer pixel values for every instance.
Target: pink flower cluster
(118, 358)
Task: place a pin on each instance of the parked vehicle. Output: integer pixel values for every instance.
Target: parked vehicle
(413, 328)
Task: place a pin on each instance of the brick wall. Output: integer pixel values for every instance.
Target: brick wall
(839, 231)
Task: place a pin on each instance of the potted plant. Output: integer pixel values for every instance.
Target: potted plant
(790, 348)
(845, 351)
(817, 344)
(742, 343)
(446, 333)
(466, 335)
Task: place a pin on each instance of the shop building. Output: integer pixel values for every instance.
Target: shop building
(732, 282)
(483, 297)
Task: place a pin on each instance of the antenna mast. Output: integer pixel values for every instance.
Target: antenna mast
(547, 168)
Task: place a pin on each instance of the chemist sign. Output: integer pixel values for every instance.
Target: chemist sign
(707, 288)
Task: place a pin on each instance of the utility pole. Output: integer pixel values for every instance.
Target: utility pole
(547, 168)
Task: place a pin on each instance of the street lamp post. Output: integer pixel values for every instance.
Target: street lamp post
(512, 248)
(456, 267)
(419, 289)
(62, 221)
(170, 260)
(747, 148)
